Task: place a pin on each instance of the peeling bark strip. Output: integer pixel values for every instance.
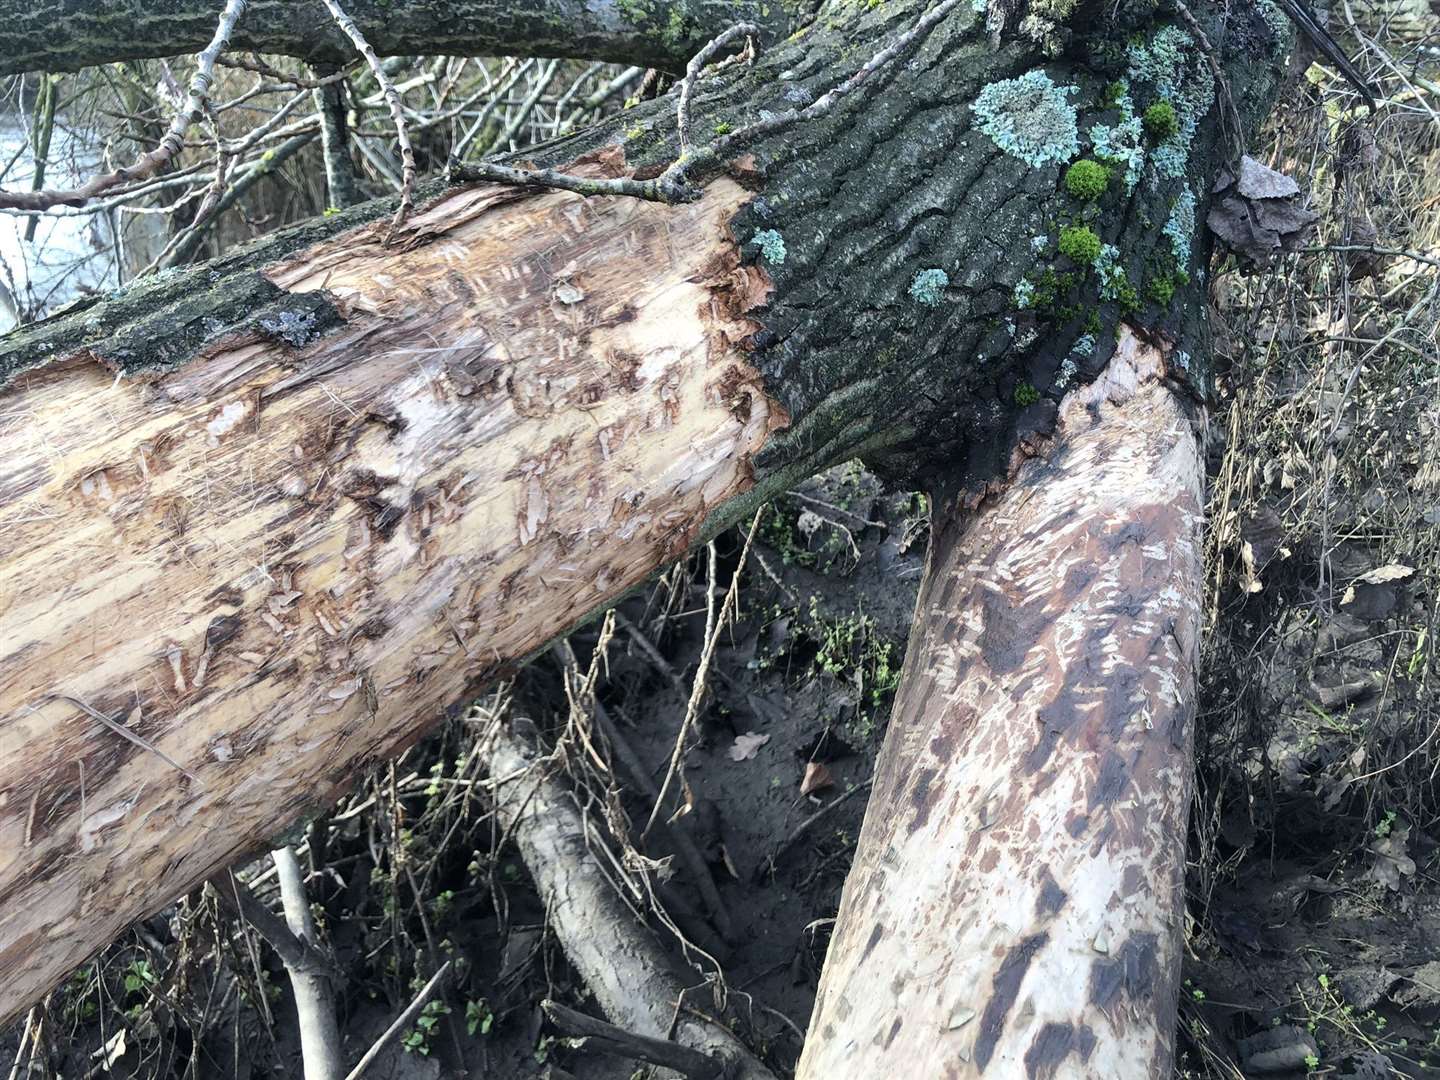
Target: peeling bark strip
(276, 565)
(1015, 906)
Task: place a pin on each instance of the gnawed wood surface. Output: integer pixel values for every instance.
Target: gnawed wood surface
(276, 565)
(1016, 904)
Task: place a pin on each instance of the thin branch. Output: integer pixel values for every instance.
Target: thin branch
(606, 1038)
(713, 628)
(677, 183)
(750, 32)
(397, 109)
(401, 1022)
(149, 163)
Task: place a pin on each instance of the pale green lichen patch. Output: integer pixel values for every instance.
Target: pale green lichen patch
(1180, 226)
(928, 288)
(1174, 67)
(1030, 118)
(771, 245)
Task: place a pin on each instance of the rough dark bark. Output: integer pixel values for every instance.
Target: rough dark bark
(781, 324)
(66, 35)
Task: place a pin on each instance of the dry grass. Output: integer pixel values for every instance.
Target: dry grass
(1327, 467)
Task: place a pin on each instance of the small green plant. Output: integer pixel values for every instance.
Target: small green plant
(1161, 290)
(722, 128)
(417, 1039)
(1087, 179)
(478, 1018)
(1025, 394)
(1160, 121)
(1382, 830)
(1079, 244)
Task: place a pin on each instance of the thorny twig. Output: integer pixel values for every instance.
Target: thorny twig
(397, 110)
(150, 162)
(675, 184)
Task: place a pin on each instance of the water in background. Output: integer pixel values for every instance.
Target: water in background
(69, 254)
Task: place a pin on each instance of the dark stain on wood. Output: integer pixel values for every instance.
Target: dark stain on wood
(1004, 990)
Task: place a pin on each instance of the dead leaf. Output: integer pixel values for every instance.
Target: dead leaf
(746, 745)
(1382, 574)
(817, 778)
(1391, 863)
(1258, 214)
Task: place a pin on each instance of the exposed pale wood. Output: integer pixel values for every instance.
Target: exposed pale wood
(278, 564)
(1015, 907)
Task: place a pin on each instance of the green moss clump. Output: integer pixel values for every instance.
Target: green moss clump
(1025, 394)
(1160, 121)
(1087, 179)
(1079, 244)
(1161, 290)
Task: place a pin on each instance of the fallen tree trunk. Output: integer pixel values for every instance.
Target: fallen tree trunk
(72, 34)
(1018, 889)
(265, 520)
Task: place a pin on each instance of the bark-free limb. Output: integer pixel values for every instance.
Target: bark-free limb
(619, 959)
(314, 994)
(1016, 904)
(278, 565)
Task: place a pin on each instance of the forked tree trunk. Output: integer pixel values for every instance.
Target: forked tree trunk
(1016, 904)
(264, 520)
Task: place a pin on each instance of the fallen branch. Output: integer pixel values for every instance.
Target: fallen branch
(617, 957)
(606, 1038)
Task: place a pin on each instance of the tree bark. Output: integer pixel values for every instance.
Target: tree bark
(1018, 889)
(67, 35)
(613, 951)
(265, 519)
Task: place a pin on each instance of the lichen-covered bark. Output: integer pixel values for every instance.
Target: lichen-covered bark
(66, 35)
(428, 458)
(1016, 906)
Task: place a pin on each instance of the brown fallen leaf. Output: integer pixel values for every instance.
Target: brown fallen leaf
(817, 778)
(746, 745)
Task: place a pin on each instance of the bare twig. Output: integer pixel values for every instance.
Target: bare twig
(397, 110)
(401, 1022)
(149, 163)
(606, 1038)
(713, 627)
(676, 183)
(750, 32)
(809, 823)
